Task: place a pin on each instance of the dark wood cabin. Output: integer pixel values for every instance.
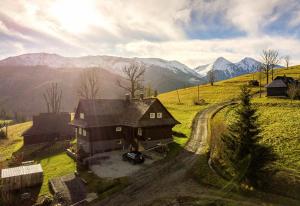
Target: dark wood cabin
(253, 83)
(49, 127)
(279, 86)
(129, 124)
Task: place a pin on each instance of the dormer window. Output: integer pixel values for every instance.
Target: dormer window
(81, 115)
(159, 115)
(152, 115)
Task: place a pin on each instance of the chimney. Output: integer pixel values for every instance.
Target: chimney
(127, 97)
(141, 96)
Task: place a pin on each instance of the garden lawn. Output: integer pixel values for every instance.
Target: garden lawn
(54, 166)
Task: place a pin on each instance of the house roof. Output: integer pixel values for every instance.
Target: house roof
(49, 123)
(21, 170)
(108, 112)
(276, 84)
(285, 79)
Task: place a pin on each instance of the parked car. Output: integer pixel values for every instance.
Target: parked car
(133, 157)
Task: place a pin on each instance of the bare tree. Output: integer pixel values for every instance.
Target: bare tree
(287, 61)
(133, 74)
(292, 91)
(211, 77)
(52, 97)
(270, 59)
(89, 84)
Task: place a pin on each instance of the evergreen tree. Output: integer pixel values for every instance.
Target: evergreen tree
(242, 150)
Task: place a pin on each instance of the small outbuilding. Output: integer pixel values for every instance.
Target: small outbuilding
(49, 127)
(253, 83)
(279, 86)
(21, 177)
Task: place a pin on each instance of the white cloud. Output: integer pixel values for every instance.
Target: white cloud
(152, 28)
(197, 52)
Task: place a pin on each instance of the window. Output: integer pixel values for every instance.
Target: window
(152, 115)
(83, 132)
(81, 115)
(76, 131)
(118, 129)
(140, 131)
(80, 130)
(159, 115)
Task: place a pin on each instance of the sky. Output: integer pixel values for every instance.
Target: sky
(194, 32)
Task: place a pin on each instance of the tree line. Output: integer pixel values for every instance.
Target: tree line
(90, 86)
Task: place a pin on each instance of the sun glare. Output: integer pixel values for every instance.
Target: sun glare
(76, 16)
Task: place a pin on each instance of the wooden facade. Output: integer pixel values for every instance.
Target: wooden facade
(21, 177)
(104, 125)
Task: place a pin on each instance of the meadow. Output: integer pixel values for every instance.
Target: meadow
(279, 118)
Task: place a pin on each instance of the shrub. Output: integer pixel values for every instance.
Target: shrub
(199, 102)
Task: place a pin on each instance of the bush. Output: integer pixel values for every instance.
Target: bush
(2, 134)
(199, 102)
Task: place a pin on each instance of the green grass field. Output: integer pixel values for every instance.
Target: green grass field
(279, 120)
(279, 117)
(14, 140)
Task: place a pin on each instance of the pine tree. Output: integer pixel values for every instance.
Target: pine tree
(242, 150)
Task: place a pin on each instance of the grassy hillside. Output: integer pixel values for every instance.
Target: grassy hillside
(279, 122)
(14, 140)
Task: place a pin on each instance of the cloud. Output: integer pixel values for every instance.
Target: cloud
(197, 52)
(194, 32)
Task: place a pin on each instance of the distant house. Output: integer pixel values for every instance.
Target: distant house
(130, 124)
(280, 85)
(253, 83)
(49, 127)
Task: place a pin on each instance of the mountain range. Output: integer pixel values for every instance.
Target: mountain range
(224, 69)
(24, 78)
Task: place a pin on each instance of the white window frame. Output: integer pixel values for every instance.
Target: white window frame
(140, 132)
(159, 115)
(152, 115)
(80, 130)
(84, 132)
(81, 115)
(118, 129)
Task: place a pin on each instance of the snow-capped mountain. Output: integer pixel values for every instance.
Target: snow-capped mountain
(225, 69)
(163, 75)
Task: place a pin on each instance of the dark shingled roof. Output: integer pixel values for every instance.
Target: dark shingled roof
(49, 123)
(110, 112)
(276, 83)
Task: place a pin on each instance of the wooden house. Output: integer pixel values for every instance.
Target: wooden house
(49, 127)
(279, 86)
(130, 124)
(21, 177)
